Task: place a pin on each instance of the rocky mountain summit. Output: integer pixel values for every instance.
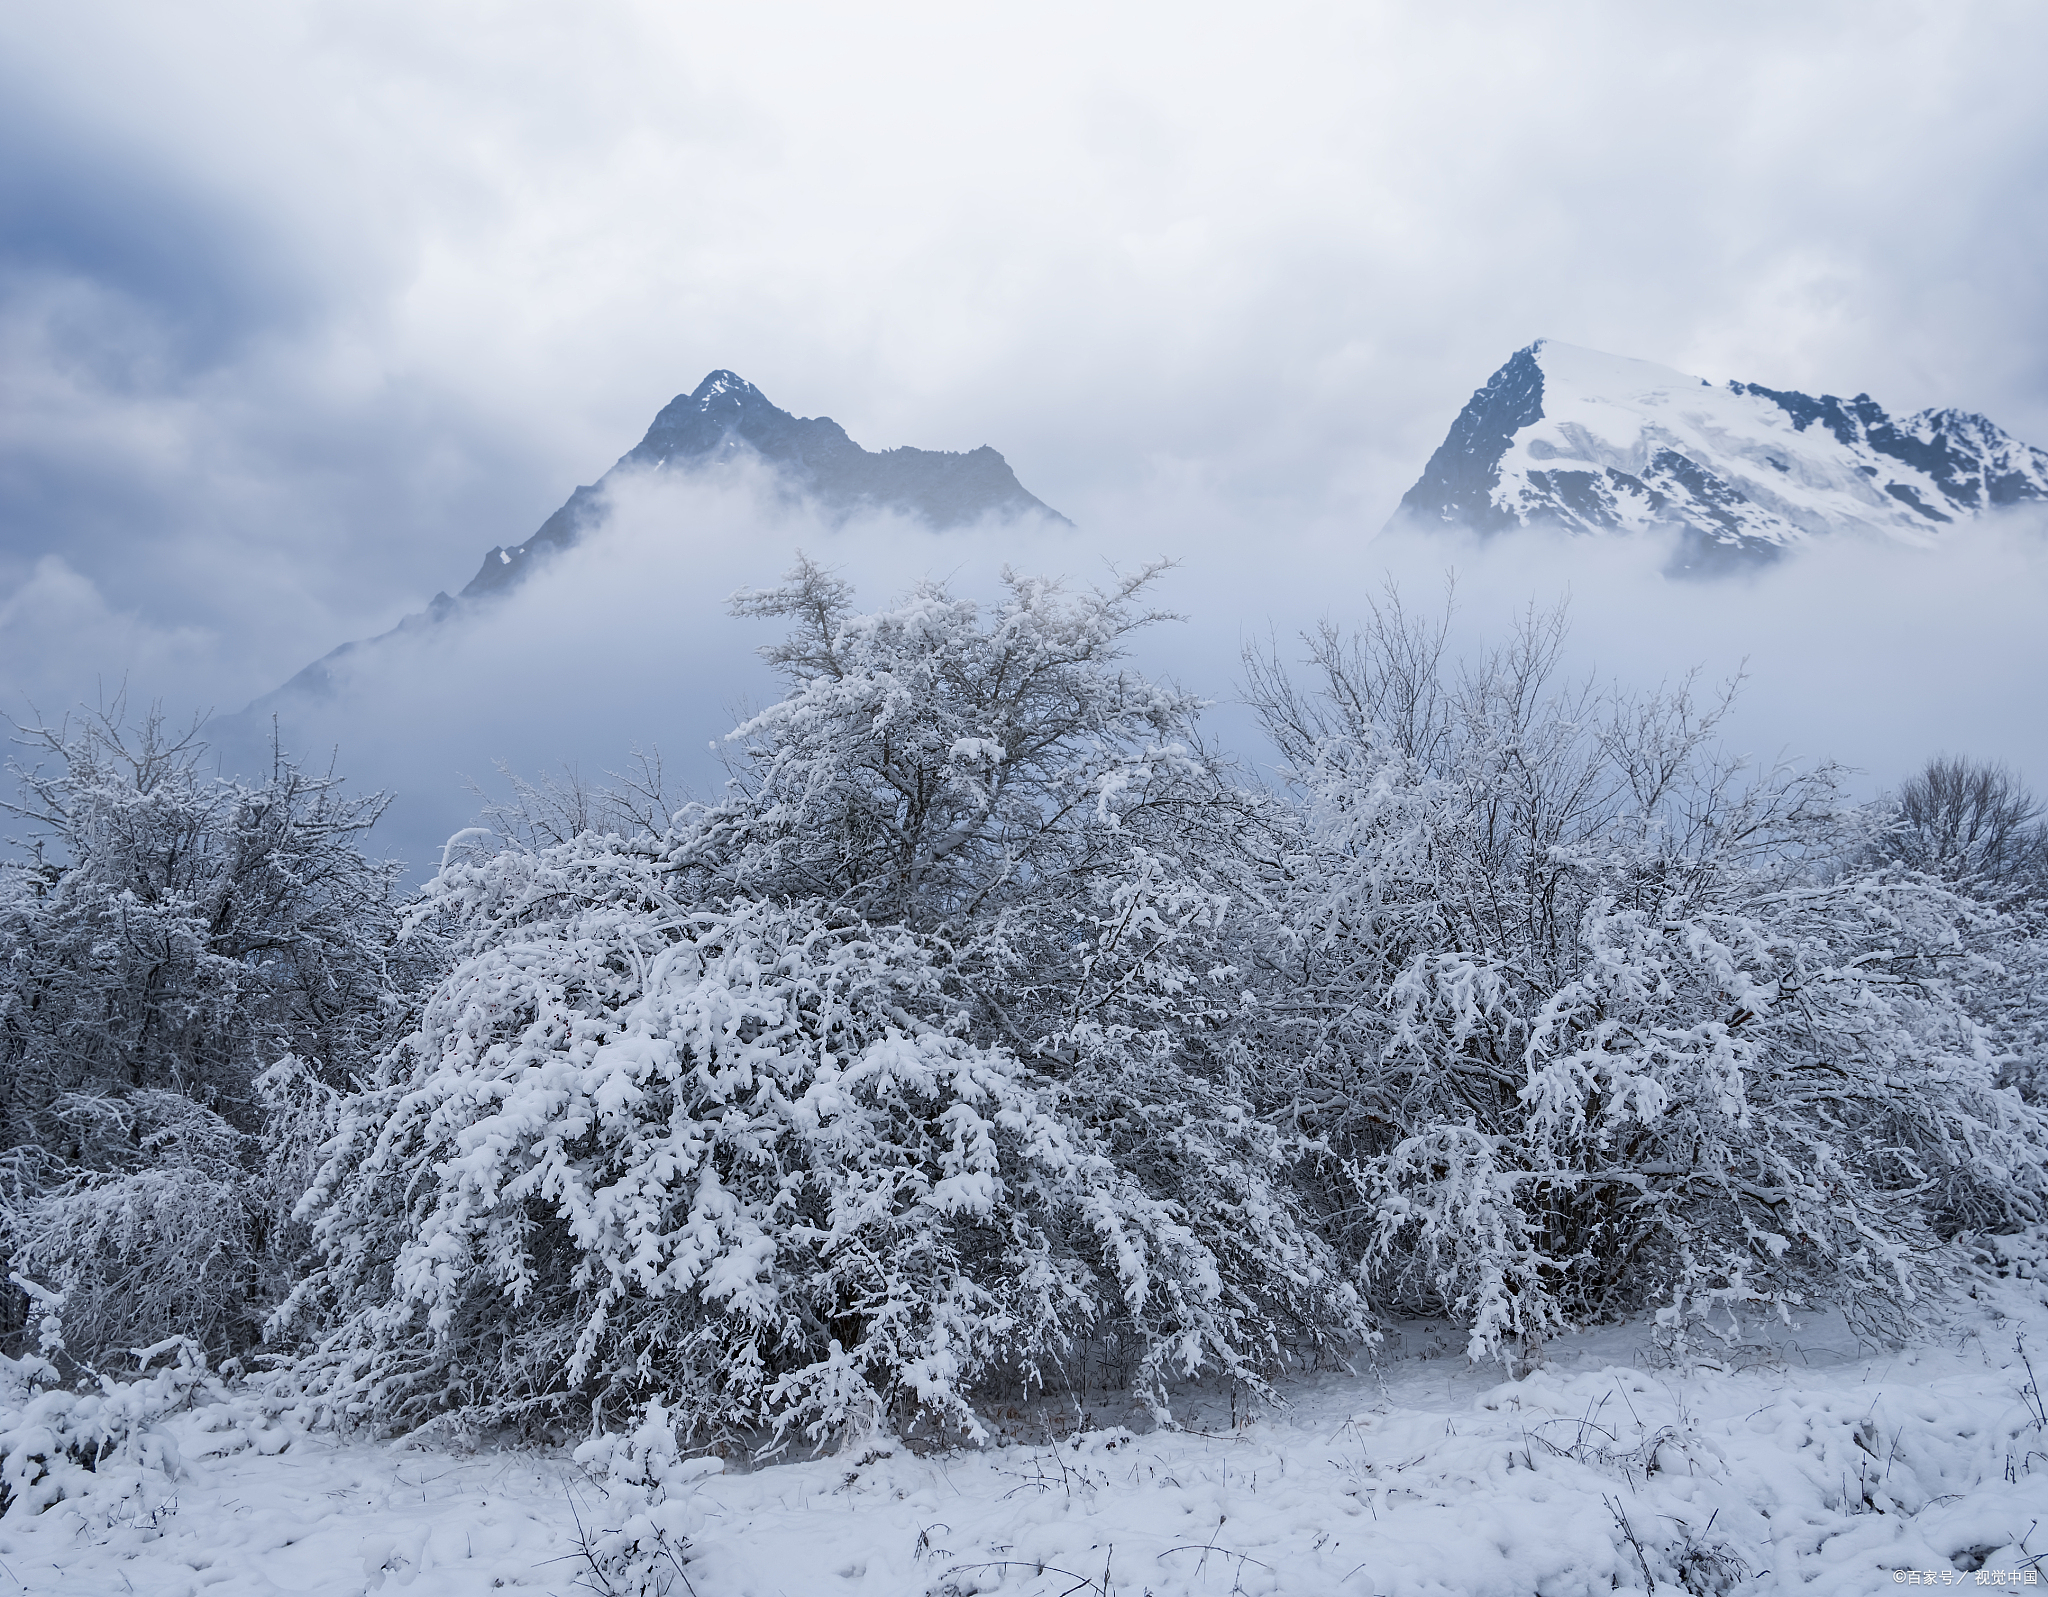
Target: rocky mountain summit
(1600, 444)
(727, 418)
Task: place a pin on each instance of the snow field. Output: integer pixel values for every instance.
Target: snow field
(1816, 1468)
(1789, 482)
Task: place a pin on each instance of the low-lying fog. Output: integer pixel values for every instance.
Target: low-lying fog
(1861, 651)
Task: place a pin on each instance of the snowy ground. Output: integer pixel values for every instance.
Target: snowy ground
(1812, 1465)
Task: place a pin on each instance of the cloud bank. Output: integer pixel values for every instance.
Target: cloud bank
(1862, 651)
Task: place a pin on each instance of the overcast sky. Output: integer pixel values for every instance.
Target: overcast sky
(303, 307)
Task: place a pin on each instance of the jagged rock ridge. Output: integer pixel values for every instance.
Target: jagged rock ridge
(726, 417)
(1601, 444)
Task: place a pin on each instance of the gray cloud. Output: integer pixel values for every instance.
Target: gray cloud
(303, 308)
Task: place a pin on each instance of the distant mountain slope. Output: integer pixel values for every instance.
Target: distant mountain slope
(1602, 444)
(727, 416)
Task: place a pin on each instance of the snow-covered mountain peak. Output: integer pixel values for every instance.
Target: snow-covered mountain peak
(1600, 443)
(1595, 373)
(723, 382)
(723, 394)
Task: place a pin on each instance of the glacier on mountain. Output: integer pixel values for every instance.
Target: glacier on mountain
(1602, 444)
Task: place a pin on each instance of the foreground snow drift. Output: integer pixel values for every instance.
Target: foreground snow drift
(1803, 1464)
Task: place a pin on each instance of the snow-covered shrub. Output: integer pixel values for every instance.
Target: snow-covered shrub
(163, 927)
(1971, 824)
(719, 1156)
(1596, 1015)
(165, 936)
(1976, 829)
(194, 1237)
(930, 765)
(640, 1540)
(101, 1443)
(103, 1449)
(896, 1076)
(160, 1235)
(1450, 1218)
(1006, 782)
(2011, 1000)
(1124, 1000)
(153, 1251)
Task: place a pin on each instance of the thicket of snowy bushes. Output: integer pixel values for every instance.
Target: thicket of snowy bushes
(993, 1034)
(1593, 1013)
(166, 939)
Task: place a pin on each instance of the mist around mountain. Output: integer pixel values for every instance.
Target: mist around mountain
(1600, 444)
(618, 637)
(1559, 437)
(725, 431)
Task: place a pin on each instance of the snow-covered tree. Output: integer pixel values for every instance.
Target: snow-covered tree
(894, 1080)
(2009, 996)
(926, 769)
(1592, 1013)
(1969, 823)
(1976, 828)
(165, 938)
